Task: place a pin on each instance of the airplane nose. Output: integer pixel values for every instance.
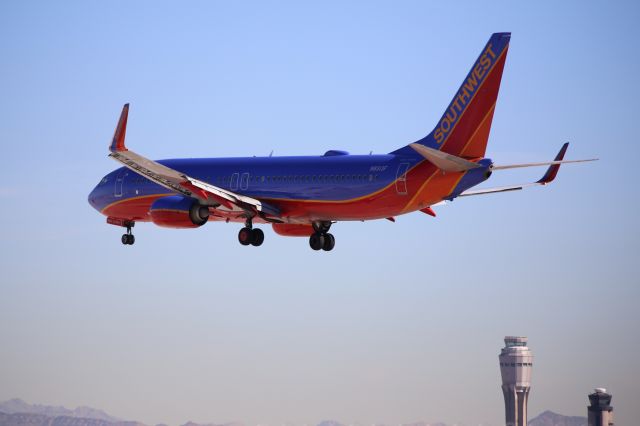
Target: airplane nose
(92, 198)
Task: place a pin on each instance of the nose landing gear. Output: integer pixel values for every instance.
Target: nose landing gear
(128, 238)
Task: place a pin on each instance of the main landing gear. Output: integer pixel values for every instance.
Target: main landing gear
(322, 239)
(249, 236)
(128, 239)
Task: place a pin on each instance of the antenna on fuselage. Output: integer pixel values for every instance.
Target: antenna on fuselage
(271, 153)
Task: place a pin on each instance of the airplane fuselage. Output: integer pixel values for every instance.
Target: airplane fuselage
(335, 187)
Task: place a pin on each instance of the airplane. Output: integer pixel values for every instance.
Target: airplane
(303, 196)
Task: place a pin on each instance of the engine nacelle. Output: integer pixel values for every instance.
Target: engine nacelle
(292, 230)
(176, 211)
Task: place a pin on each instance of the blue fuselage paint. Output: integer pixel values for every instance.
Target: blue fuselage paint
(303, 178)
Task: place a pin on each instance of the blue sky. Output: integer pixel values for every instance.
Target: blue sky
(402, 321)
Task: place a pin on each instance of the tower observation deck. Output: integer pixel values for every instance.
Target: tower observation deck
(516, 361)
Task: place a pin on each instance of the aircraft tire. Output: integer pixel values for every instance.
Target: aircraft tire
(125, 239)
(329, 242)
(257, 237)
(316, 241)
(245, 236)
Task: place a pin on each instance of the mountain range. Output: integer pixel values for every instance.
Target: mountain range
(16, 412)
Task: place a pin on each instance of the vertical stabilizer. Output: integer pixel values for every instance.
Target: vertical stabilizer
(464, 128)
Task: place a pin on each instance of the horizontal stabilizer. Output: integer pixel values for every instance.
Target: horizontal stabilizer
(495, 190)
(555, 164)
(548, 176)
(547, 163)
(444, 161)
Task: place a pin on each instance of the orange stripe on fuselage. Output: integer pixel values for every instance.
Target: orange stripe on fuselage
(481, 132)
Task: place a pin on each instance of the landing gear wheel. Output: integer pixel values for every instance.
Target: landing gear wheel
(245, 236)
(316, 241)
(257, 237)
(329, 242)
(128, 238)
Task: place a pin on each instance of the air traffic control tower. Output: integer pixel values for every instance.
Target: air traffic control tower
(516, 361)
(600, 412)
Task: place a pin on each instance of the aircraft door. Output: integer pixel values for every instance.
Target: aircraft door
(234, 181)
(401, 179)
(117, 190)
(244, 181)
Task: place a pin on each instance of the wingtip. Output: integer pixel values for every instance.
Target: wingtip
(117, 143)
(562, 152)
(552, 171)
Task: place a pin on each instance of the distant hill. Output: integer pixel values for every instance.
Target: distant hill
(17, 405)
(31, 419)
(210, 424)
(549, 418)
(424, 424)
(16, 412)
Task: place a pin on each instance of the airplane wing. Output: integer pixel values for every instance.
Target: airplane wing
(548, 177)
(205, 193)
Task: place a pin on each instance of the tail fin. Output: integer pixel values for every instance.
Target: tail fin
(464, 128)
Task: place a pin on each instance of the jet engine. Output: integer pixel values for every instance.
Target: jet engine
(176, 211)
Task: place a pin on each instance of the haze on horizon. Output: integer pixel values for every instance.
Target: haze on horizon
(403, 321)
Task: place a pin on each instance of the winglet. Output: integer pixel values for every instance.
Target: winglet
(117, 143)
(552, 171)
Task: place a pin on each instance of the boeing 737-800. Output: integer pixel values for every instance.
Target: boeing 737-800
(303, 196)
